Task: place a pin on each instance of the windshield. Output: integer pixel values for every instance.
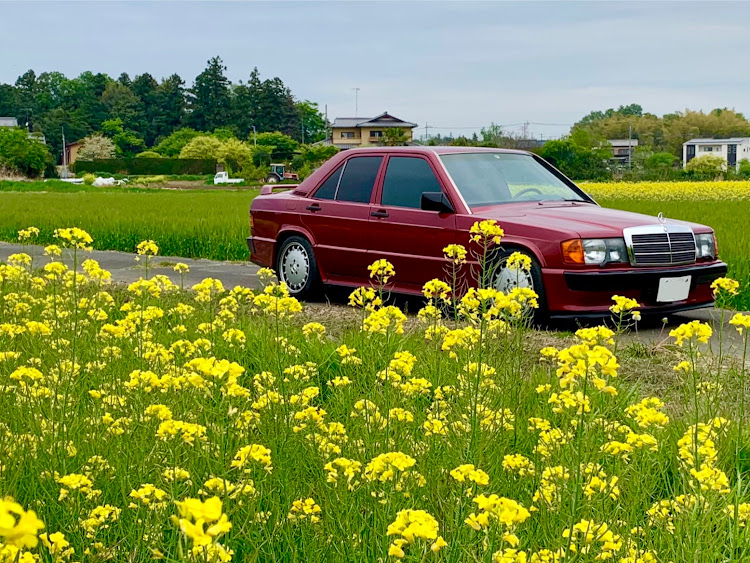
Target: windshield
(488, 178)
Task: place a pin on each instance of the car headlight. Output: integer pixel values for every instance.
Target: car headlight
(705, 246)
(595, 251)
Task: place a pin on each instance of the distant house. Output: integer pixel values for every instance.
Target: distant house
(733, 149)
(352, 132)
(622, 149)
(13, 122)
(71, 151)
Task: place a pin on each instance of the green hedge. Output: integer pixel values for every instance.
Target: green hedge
(147, 166)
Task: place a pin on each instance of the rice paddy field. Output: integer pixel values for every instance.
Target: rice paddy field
(214, 224)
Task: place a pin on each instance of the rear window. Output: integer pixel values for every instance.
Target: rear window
(328, 189)
(358, 179)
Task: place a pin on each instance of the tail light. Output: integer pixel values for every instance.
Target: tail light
(252, 226)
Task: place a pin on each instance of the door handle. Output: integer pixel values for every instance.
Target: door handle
(313, 207)
(380, 213)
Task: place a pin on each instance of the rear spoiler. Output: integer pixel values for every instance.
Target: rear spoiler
(269, 188)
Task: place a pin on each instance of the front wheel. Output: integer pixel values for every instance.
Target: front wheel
(506, 280)
(297, 267)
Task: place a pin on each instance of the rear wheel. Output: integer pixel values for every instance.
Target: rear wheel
(297, 267)
(506, 280)
(272, 179)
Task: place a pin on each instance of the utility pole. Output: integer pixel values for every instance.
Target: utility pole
(427, 132)
(255, 136)
(630, 148)
(64, 155)
(356, 102)
(327, 127)
(303, 131)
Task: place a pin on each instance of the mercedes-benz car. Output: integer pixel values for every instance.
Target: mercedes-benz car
(406, 204)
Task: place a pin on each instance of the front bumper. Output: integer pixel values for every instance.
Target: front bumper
(589, 292)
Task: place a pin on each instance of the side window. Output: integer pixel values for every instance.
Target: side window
(358, 179)
(405, 180)
(327, 189)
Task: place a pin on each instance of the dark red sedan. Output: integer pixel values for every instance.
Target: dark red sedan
(406, 204)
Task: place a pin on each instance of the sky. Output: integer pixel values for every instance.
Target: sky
(455, 66)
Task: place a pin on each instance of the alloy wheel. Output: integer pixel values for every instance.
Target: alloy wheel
(295, 267)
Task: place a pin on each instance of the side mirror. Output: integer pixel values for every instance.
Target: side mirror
(436, 201)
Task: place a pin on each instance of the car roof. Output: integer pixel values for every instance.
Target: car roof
(422, 149)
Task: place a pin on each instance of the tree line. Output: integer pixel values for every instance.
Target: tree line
(142, 111)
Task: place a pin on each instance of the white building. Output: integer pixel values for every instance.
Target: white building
(733, 150)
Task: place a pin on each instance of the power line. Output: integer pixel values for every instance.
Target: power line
(501, 125)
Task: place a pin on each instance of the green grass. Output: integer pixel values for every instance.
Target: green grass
(191, 224)
(727, 218)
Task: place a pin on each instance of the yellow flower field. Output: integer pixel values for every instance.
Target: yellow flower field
(670, 191)
(211, 424)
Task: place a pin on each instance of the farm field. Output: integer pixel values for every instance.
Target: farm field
(214, 425)
(192, 224)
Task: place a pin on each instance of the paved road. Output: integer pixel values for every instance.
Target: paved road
(125, 269)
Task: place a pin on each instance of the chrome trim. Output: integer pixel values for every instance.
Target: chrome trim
(661, 231)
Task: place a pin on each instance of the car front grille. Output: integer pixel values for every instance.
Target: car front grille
(660, 245)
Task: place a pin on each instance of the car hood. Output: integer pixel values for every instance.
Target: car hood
(583, 219)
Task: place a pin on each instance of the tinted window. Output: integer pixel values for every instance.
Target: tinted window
(328, 189)
(358, 179)
(405, 180)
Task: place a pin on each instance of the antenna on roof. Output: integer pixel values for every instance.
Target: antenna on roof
(356, 102)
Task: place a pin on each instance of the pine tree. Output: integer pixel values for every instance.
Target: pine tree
(209, 101)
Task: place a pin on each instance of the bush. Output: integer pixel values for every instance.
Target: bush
(24, 155)
(202, 147)
(707, 166)
(253, 173)
(172, 145)
(148, 166)
(89, 179)
(149, 154)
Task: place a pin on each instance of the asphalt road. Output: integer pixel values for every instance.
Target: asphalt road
(125, 269)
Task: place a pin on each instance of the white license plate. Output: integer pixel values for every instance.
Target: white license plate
(673, 289)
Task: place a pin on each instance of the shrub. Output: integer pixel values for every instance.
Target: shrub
(235, 154)
(707, 166)
(202, 147)
(24, 155)
(148, 166)
(172, 145)
(149, 154)
(89, 179)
